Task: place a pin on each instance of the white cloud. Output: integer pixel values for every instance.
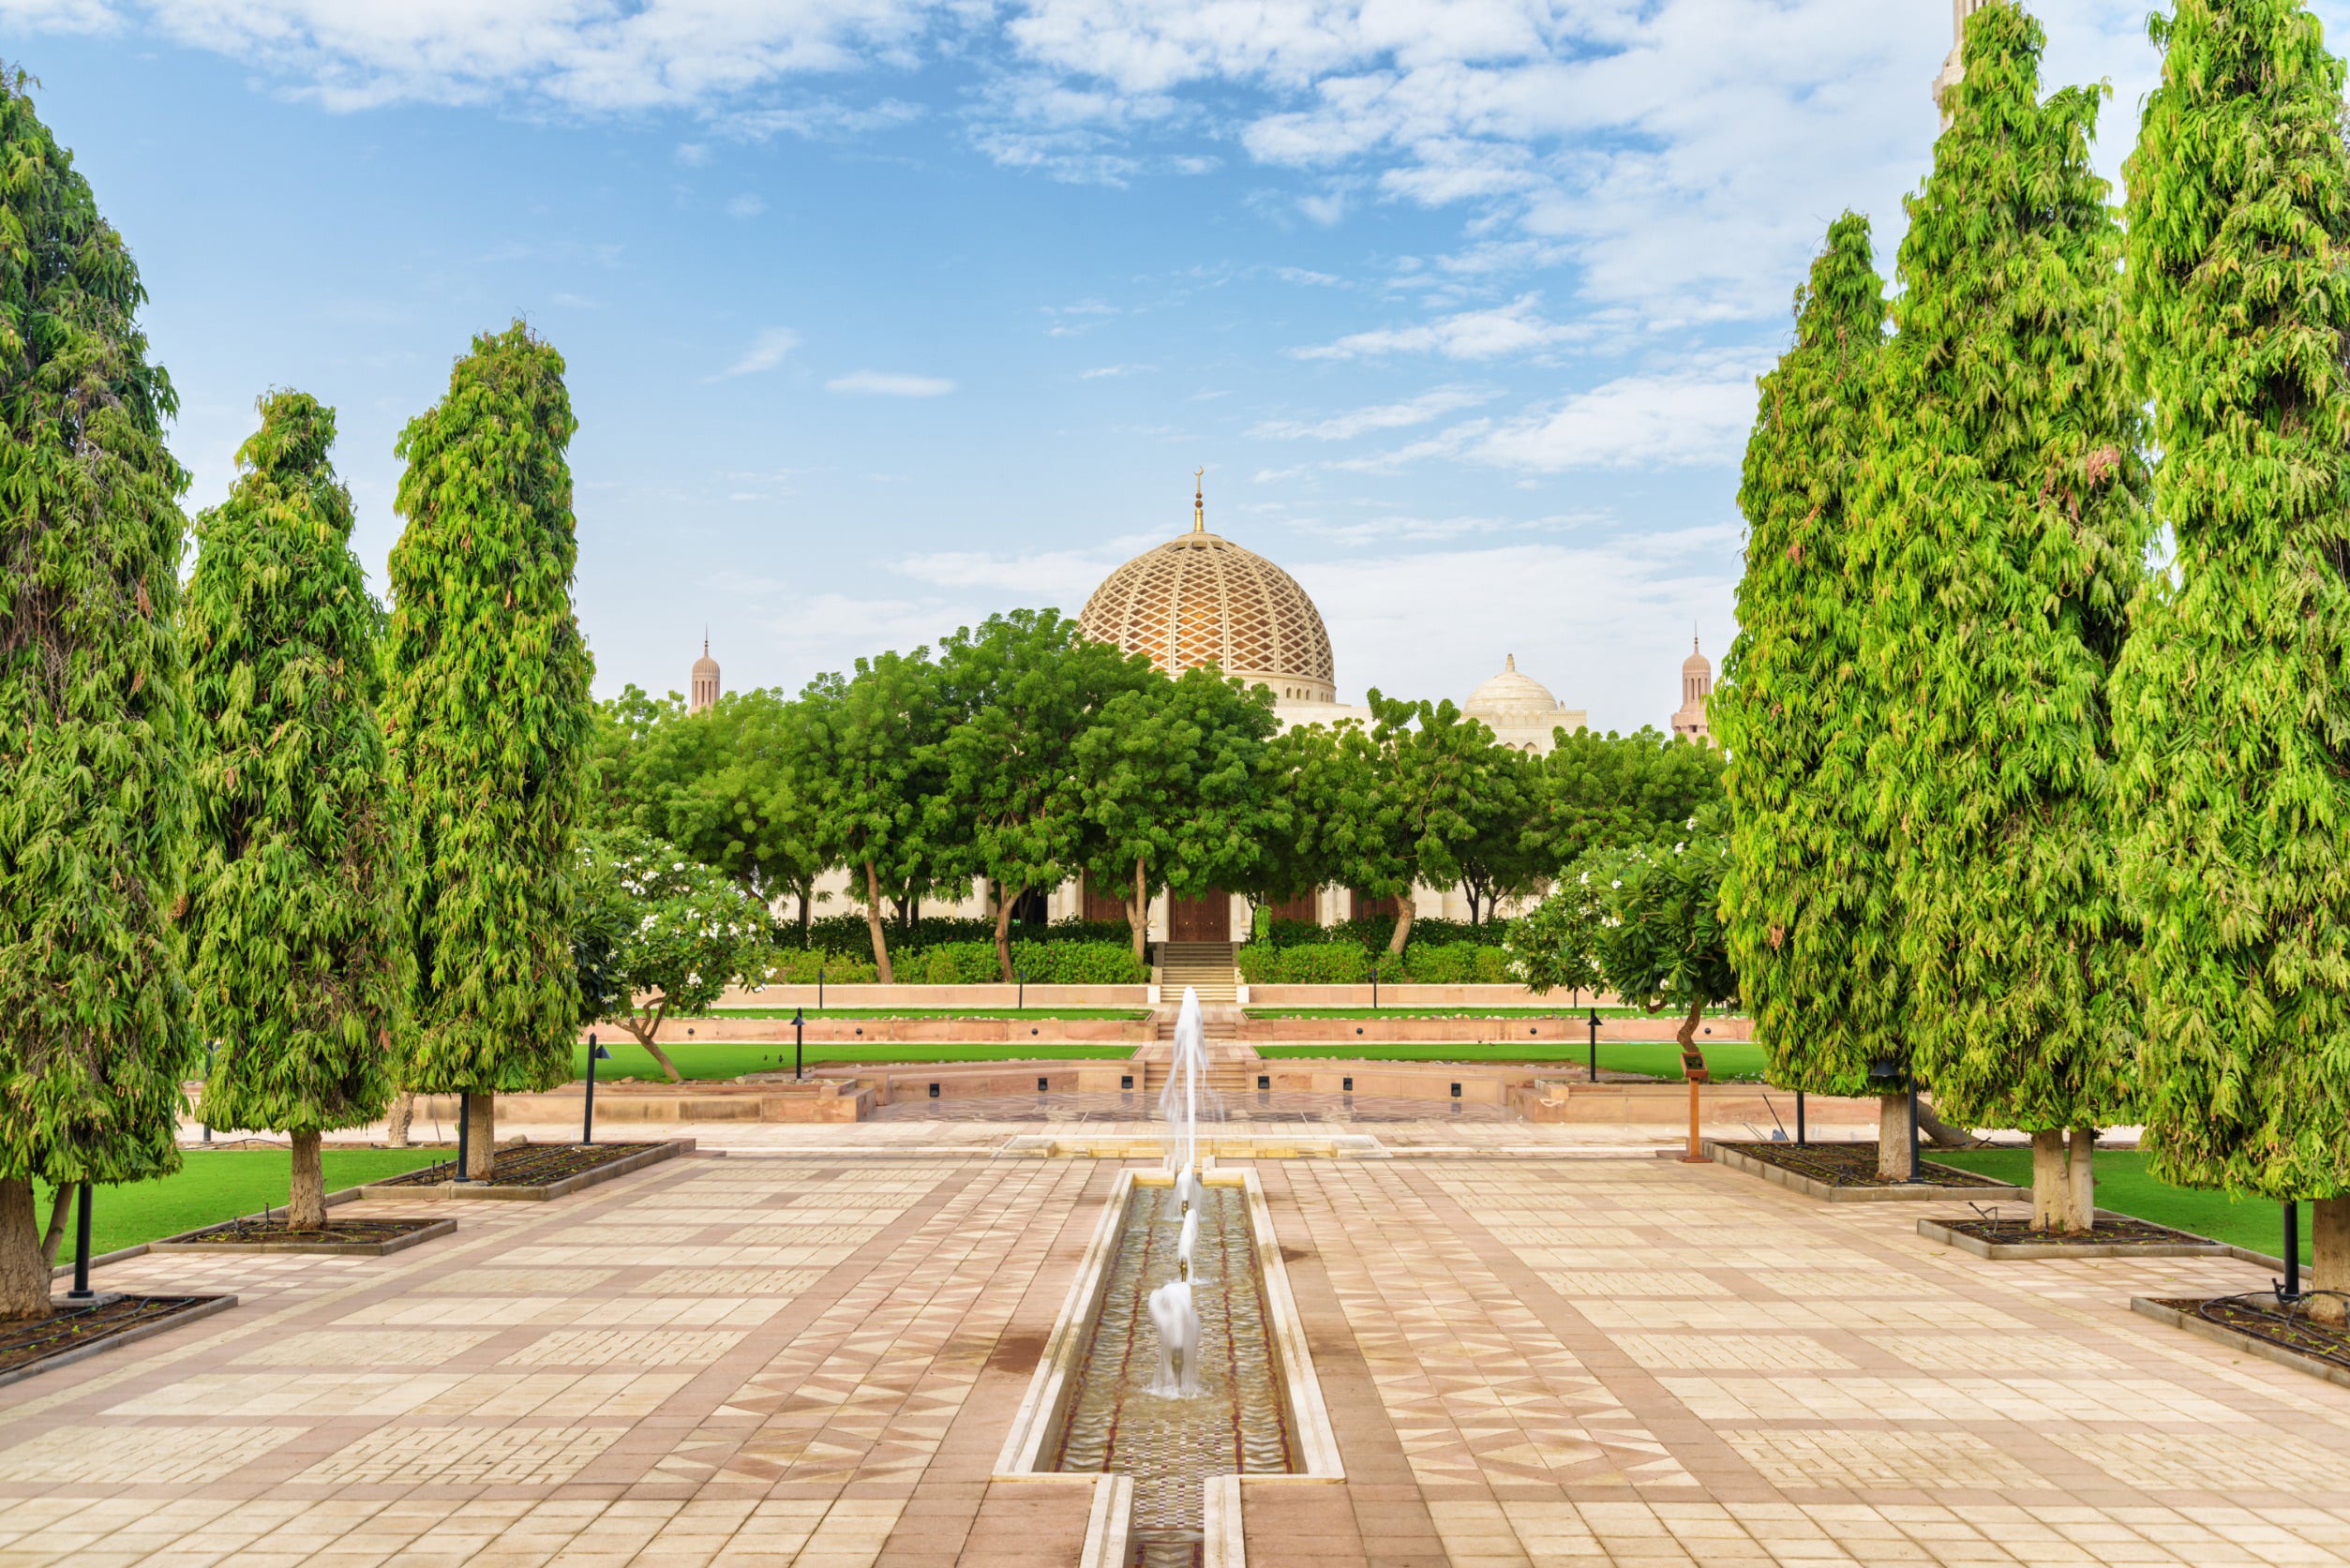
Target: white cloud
(692, 155)
(883, 383)
(767, 351)
(1100, 371)
(748, 204)
(60, 16)
(1518, 327)
(1697, 416)
(1385, 416)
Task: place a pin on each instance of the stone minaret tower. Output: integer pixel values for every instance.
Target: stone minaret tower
(1952, 68)
(705, 688)
(1697, 685)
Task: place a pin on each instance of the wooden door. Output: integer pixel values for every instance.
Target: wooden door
(1206, 919)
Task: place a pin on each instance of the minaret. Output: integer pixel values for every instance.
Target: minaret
(705, 687)
(1198, 501)
(1953, 67)
(1697, 685)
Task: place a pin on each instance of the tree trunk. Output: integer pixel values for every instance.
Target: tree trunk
(59, 1210)
(1138, 913)
(2051, 1192)
(873, 926)
(305, 1194)
(481, 1137)
(1893, 1138)
(1004, 901)
(396, 1120)
(2330, 1259)
(1937, 1131)
(23, 1273)
(645, 1032)
(2080, 1187)
(1403, 924)
(1692, 1058)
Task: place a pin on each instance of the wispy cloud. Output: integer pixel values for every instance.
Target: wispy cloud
(1100, 371)
(767, 351)
(1675, 419)
(883, 383)
(1516, 328)
(748, 204)
(1429, 405)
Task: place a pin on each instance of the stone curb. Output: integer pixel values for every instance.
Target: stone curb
(128, 1337)
(2219, 1334)
(432, 1230)
(1935, 1229)
(652, 1154)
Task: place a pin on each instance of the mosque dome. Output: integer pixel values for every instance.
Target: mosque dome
(1200, 599)
(1510, 695)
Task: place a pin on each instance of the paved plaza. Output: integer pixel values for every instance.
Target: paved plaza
(1535, 1350)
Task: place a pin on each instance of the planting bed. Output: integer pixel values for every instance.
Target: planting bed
(358, 1238)
(78, 1330)
(2112, 1236)
(1845, 1171)
(533, 1171)
(2257, 1323)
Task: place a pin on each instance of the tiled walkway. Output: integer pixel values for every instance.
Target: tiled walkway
(812, 1359)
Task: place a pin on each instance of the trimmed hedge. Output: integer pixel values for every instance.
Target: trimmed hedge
(1044, 963)
(1374, 932)
(847, 936)
(1350, 964)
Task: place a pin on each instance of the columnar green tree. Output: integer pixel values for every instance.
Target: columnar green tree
(1807, 896)
(93, 711)
(490, 724)
(2004, 532)
(2232, 714)
(298, 960)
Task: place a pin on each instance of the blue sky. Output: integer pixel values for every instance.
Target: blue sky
(881, 315)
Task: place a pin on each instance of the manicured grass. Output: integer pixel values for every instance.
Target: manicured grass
(1730, 1061)
(2124, 1185)
(1122, 1014)
(723, 1059)
(1461, 1009)
(212, 1186)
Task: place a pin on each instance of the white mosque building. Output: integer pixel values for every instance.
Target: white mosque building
(1200, 599)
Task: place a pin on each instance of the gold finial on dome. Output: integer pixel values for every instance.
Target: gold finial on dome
(1198, 501)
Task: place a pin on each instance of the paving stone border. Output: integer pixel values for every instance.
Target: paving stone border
(230, 1236)
(1951, 1182)
(644, 1154)
(176, 1310)
(2172, 1244)
(2181, 1313)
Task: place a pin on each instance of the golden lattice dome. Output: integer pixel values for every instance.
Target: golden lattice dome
(1201, 600)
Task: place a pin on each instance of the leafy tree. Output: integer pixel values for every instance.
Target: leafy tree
(1645, 922)
(1020, 692)
(94, 798)
(1811, 922)
(2232, 719)
(1172, 781)
(1602, 791)
(2003, 532)
(733, 807)
(669, 935)
(862, 752)
(626, 725)
(490, 725)
(298, 962)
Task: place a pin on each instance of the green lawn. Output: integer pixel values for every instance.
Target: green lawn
(1730, 1061)
(1464, 1010)
(1122, 1014)
(723, 1059)
(2123, 1184)
(212, 1186)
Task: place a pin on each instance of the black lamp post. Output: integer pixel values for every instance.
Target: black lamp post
(82, 1291)
(819, 981)
(1594, 1022)
(464, 1131)
(2291, 1288)
(798, 1021)
(1799, 1118)
(595, 1054)
(1374, 982)
(210, 1046)
(1021, 1003)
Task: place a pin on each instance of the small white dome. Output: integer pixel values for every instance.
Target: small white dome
(1510, 695)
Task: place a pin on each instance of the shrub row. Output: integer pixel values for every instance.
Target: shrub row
(847, 934)
(1350, 964)
(1045, 962)
(1373, 931)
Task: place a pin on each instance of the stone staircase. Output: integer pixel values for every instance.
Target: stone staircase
(1206, 967)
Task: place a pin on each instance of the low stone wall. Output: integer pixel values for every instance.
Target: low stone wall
(1420, 996)
(1554, 1097)
(1342, 1032)
(929, 1031)
(938, 996)
(812, 1099)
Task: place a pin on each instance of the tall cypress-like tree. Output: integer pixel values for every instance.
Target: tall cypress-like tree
(1807, 895)
(95, 1039)
(2232, 711)
(2004, 532)
(490, 725)
(297, 959)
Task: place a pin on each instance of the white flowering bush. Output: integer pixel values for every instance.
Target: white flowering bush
(658, 936)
